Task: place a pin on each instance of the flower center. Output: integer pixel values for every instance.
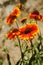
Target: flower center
(35, 12)
(27, 30)
(15, 30)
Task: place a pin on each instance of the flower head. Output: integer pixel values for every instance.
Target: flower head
(16, 11)
(12, 17)
(28, 31)
(35, 12)
(13, 33)
(35, 15)
(9, 35)
(23, 20)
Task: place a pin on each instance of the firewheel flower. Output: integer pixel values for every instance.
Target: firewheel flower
(35, 15)
(12, 17)
(28, 31)
(16, 11)
(12, 34)
(23, 20)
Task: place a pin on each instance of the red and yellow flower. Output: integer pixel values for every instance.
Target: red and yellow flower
(16, 12)
(13, 33)
(35, 15)
(12, 17)
(28, 31)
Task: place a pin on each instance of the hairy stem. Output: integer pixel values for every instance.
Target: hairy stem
(8, 58)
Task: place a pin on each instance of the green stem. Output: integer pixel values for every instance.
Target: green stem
(8, 58)
(31, 45)
(20, 50)
(20, 45)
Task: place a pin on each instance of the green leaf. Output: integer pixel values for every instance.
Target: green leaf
(5, 49)
(36, 49)
(23, 47)
(31, 59)
(40, 38)
(42, 48)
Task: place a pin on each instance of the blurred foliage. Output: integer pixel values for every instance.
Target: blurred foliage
(5, 49)
(16, 45)
(23, 1)
(29, 58)
(32, 21)
(1, 62)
